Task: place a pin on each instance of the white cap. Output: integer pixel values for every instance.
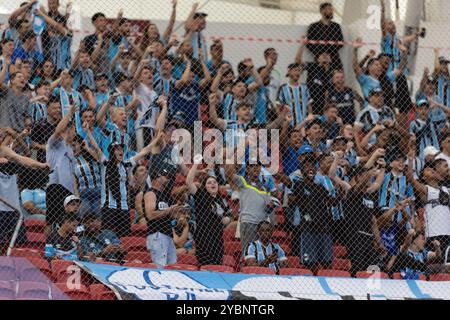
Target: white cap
(70, 198)
(430, 151)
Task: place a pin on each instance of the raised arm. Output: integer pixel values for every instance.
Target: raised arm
(437, 63)
(57, 26)
(173, 16)
(218, 122)
(96, 53)
(24, 161)
(19, 11)
(190, 20)
(300, 51)
(191, 177)
(218, 79)
(147, 150)
(383, 18)
(186, 74)
(101, 115)
(356, 45)
(378, 181)
(64, 123)
(206, 74)
(258, 80)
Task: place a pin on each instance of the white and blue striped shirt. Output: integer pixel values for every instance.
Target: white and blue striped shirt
(297, 98)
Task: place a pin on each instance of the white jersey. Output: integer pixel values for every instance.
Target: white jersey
(147, 111)
(437, 212)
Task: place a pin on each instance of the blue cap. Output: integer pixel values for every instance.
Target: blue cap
(305, 149)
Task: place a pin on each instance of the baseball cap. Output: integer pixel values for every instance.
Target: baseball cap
(443, 60)
(375, 91)
(200, 14)
(178, 117)
(423, 103)
(430, 151)
(71, 198)
(305, 150)
(163, 172)
(120, 77)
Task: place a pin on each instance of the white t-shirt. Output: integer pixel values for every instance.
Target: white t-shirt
(437, 212)
(147, 112)
(443, 156)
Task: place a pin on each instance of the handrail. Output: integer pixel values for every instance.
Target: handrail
(19, 224)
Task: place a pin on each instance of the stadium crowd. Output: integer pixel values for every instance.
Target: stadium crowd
(86, 146)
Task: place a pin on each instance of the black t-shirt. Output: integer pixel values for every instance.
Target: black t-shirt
(314, 202)
(40, 133)
(359, 209)
(59, 243)
(319, 82)
(331, 32)
(164, 158)
(345, 102)
(163, 225)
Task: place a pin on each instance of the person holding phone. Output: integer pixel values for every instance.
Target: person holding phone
(263, 252)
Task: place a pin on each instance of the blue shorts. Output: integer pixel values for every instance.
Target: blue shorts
(316, 247)
(162, 249)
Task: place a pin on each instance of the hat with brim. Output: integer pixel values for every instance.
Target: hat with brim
(70, 199)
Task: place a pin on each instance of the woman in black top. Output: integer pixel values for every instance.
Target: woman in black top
(212, 214)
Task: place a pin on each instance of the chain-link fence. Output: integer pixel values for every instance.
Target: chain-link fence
(224, 151)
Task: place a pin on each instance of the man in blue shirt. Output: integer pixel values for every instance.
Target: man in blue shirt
(26, 50)
(263, 252)
(97, 243)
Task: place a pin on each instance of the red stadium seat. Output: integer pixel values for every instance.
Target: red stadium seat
(280, 237)
(286, 248)
(257, 270)
(366, 275)
(339, 252)
(101, 292)
(178, 266)
(35, 226)
(214, 268)
(26, 253)
(440, 277)
(295, 272)
(36, 240)
(81, 293)
(294, 262)
(141, 265)
(34, 290)
(232, 248)
(187, 259)
(7, 290)
(342, 264)
(134, 243)
(60, 270)
(229, 235)
(138, 230)
(139, 256)
(398, 276)
(230, 261)
(334, 273)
